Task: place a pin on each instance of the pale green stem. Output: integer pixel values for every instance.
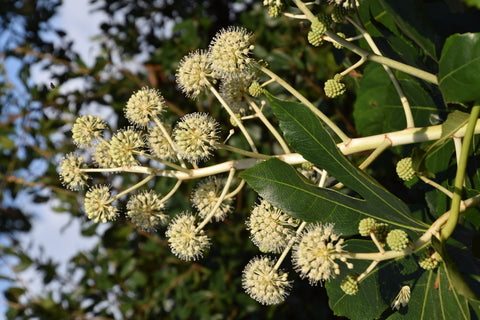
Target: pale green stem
(172, 192)
(377, 243)
(297, 233)
(269, 126)
(219, 201)
(243, 152)
(354, 66)
(304, 100)
(368, 270)
(460, 176)
(237, 190)
(403, 99)
(169, 139)
(369, 55)
(130, 189)
(165, 162)
(436, 185)
(457, 142)
(232, 116)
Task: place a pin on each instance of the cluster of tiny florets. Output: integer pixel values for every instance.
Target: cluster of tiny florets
(366, 226)
(381, 232)
(275, 7)
(101, 155)
(143, 106)
(397, 240)
(235, 91)
(229, 51)
(206, 195)
(336, 44)
(263, 283)
(71, 172)
(159, 144)
(429, 260)
(97, 204)
(123, 145)
(333, 87)
(315, 253)
(271, 229)
(196, 136)
(193, 72)
(185, 241)
(405, 170)
(86, 129)
(349, 284)
(338, 14)
(146, 210)
(255, 89)
(315, 39)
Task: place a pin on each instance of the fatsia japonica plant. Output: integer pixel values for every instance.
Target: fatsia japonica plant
(318, 203)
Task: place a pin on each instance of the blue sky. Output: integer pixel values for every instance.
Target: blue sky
(49, 229)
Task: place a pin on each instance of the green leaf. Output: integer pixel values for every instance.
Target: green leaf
(284, 187)
(306, 133)
(459, 68)
(431, 294)
(378, 108)
(473, 3)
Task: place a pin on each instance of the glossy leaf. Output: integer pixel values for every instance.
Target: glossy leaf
(459, 68)
(307, 134)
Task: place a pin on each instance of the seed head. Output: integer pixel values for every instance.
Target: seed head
(235, 91)
(263, 283)
(70, 172)
(196, 136)
(205, 197)
(270, 228)
(186, 243)
(143, 105)
(97, 205)
(193, 72)
(146, 210)
(86, 129)
(315, 254)
(229, 50)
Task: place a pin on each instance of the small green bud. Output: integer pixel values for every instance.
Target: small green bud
(397, 240)
(337, 45)
(314, 38)
(349, 284)
(338, 14)
(318, 26)
(255, 89)
(366, 226)
(405, 170)
(333, 87)
(429, 260)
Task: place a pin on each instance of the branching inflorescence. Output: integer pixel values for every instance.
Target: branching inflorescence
(318, 252)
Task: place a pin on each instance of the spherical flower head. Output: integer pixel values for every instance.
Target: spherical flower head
(315, 39)
(349, 284)
(381, 232)
(205, 197)
(86, 129)
(429, 260)
(366, 226)
(143, 105)
(334, 88)
(336, 44)
(101, 155)
(123, 145)
(255, 89)
(71, 172)
(196, 136)
(315, 253)
(263, 283)
(405, 170)
(229, 50)
(235, 91)
(338, 14)
(193, 72)
(318, 26)
(270, 228)
(146, 210)
(97, 204)
(185, 241)
(159, 144)
(397, 240)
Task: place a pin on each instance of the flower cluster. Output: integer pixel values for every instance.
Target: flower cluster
(315, 253)
(71, 172)
(145, 210)
(86, 129)
(206, 195)
(264, 283)
(271, 229)
(143, 106)
(97, 204)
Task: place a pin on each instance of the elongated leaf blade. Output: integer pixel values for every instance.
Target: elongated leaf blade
(306, 133)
